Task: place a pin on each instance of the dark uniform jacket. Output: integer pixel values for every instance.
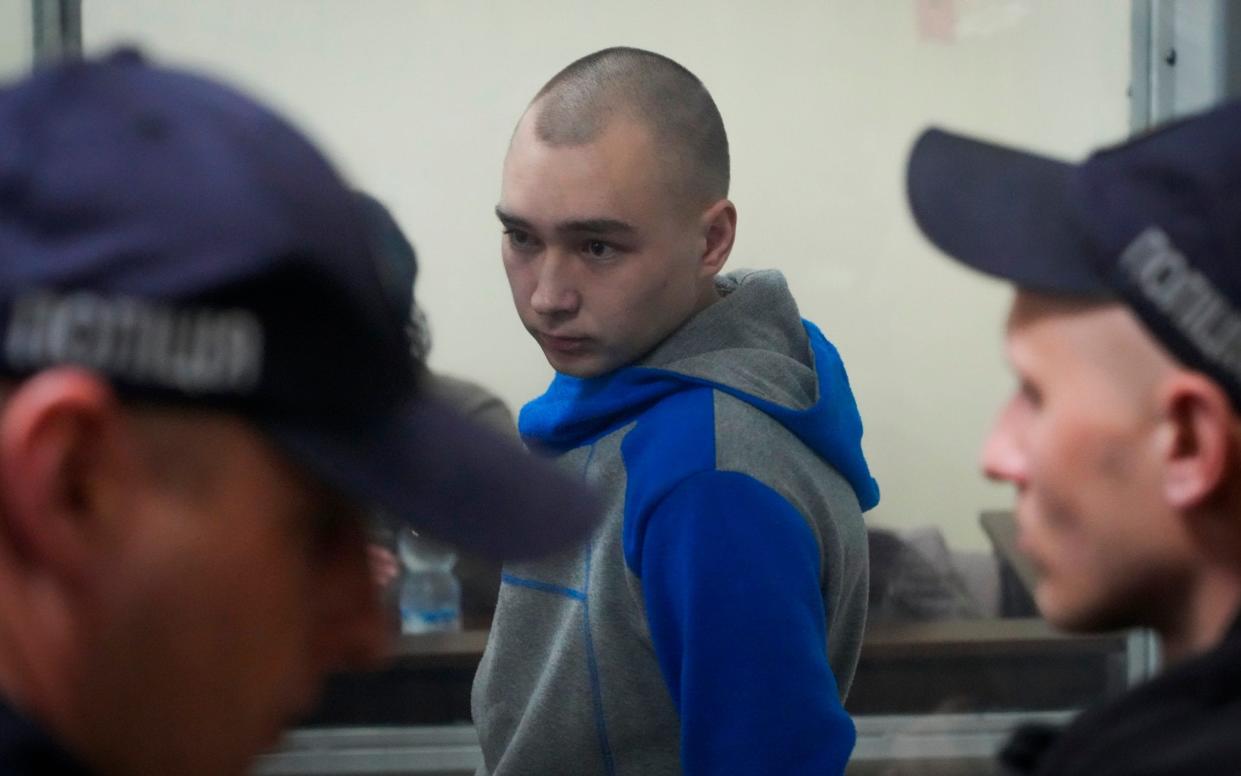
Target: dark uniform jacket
(1186, 721)
(25, 748)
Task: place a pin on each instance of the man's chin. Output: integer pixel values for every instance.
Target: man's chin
(1074, 616)
(579, 373)
(581, 367)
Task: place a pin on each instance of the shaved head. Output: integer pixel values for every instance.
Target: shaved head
(1114, 341)
(585, 98)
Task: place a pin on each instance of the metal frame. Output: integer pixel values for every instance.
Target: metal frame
(453, 750)
(1186, 56)
(447, 750)
(941, 736)
(57, 29)
(1140, 79)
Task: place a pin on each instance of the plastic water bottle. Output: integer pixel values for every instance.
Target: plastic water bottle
(430, 593)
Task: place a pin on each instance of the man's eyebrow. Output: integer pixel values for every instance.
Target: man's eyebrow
(510, 220)
(602, 226)
(595, 226)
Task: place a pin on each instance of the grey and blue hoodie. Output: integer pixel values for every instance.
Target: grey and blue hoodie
(713, 623)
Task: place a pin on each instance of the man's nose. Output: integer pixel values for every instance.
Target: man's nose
(1002, 456)
(555, 290)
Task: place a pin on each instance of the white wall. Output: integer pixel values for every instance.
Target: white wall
(417, 98)
(16, 38)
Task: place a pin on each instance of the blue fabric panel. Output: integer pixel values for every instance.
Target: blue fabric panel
(671, 441)
(730, 575)
(576, 411)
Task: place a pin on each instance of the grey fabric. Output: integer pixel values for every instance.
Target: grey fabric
(533, 703)
(471, 400)
(541, 706)
(752, 340)
(826, 501)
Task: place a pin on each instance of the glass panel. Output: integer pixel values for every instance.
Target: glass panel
(822, 100)
(16, 38)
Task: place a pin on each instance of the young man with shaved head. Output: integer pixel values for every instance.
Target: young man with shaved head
(1123, 439)
(202, 393)
(712, 625)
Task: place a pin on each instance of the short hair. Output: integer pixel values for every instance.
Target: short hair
(580, 102)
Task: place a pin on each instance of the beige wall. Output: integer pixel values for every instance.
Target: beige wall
(16, 38)
(821, 98)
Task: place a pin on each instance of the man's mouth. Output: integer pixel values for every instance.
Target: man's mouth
(564, 345)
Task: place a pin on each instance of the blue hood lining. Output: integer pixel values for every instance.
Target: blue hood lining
(577, 411)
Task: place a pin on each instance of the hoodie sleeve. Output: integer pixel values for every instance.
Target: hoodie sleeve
(730, 577)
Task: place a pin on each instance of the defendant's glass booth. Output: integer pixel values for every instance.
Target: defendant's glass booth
(416, 101)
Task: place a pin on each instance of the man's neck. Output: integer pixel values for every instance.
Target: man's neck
(1211, 610)
(38, 662)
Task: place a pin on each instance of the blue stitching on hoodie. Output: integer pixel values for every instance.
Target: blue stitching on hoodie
(543, 587)
(592, 661)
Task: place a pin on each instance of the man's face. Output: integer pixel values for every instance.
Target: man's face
(1078, 440)
(231, 596)
(603, 260)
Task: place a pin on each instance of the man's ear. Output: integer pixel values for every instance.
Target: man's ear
(719, 228)
(1197, 443)
(62, 458)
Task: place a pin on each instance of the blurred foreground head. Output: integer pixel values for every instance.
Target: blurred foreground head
(1125, 335)
(202, 392)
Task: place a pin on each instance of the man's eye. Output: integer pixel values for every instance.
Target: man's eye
(520, 239)
(1029, 393)
(597, 249)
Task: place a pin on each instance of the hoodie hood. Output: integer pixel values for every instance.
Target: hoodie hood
(753, 345)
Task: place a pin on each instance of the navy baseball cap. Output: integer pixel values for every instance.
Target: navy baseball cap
(192, 247)
(1154, 223)
(397, 260)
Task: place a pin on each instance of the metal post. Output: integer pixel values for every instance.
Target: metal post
(1140, 66)
(1186, 57)
(57, 29)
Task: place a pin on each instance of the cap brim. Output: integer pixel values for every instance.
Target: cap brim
(448, 477)
(1001, 211)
